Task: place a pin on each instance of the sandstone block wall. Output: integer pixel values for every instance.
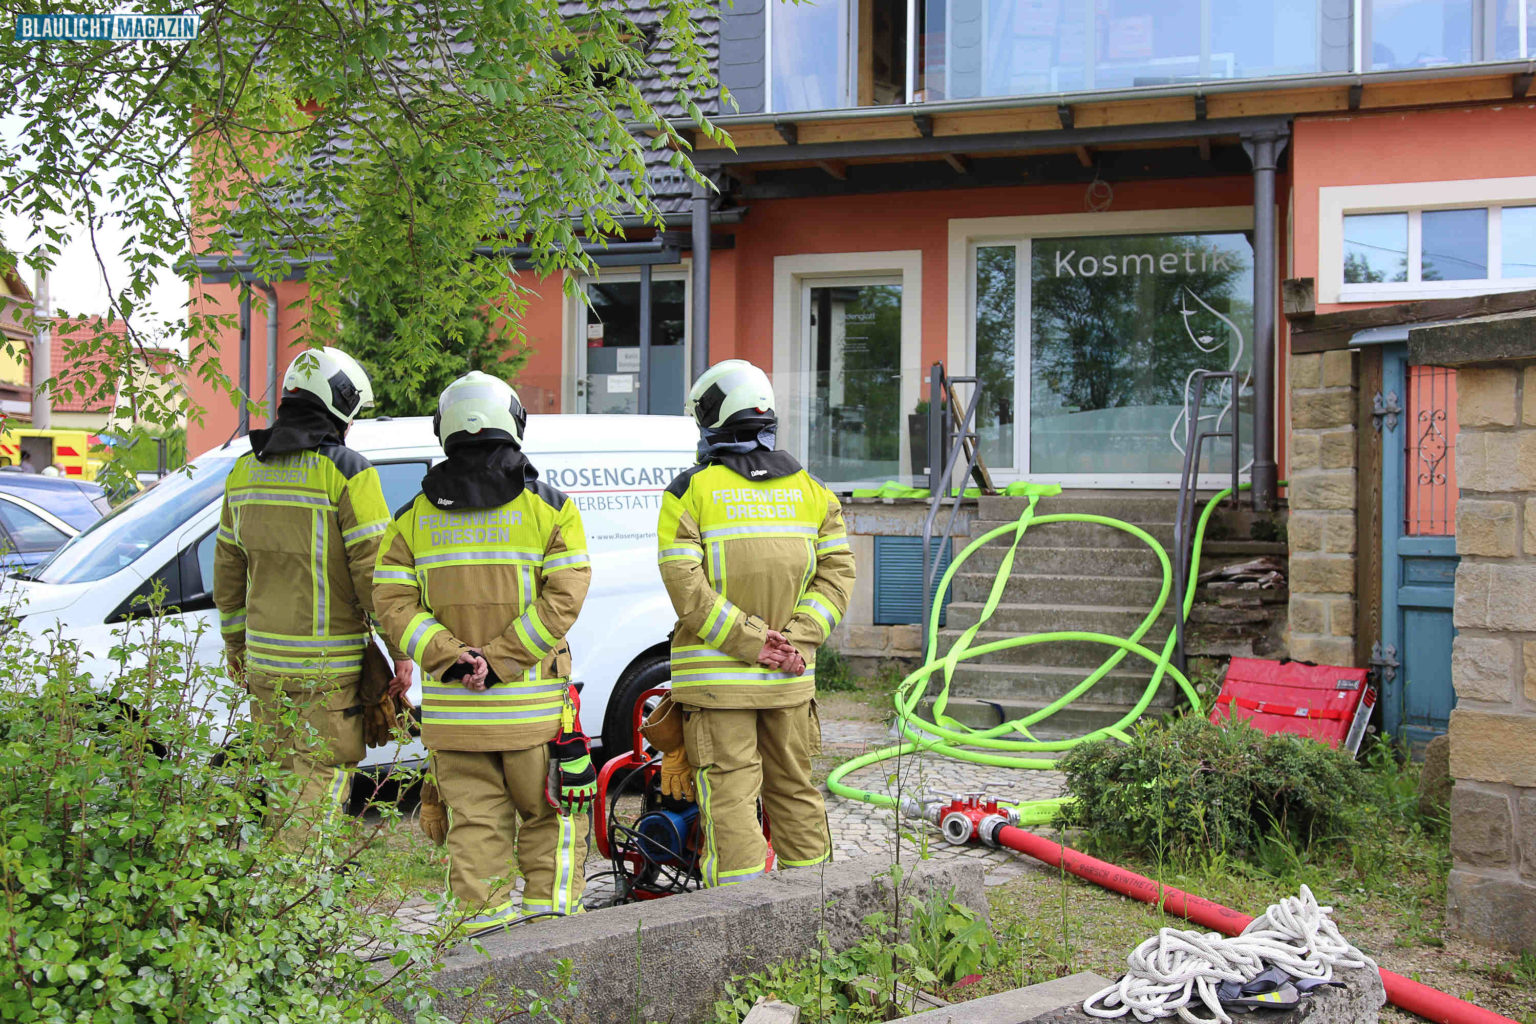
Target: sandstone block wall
(1492, 888)
(1322, 493)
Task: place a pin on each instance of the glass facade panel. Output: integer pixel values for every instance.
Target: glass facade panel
(972, 48)
(1519, 241)
(855, 358)
(996, 350)
(1418, 33)
(810, 47)
(1506, 29)
(612, 382)
(1375, 248)
(1117, 325)
(1455, 245)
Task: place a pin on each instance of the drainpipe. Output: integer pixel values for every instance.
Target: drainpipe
(245, 362)
(700, 228)
(42, 354)
(272, 395)
(1264, 150)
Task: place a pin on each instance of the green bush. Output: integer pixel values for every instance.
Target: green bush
(1184, 787)
(137, 882)
(832, 672)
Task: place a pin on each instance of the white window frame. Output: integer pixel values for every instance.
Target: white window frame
(967, 234)
(575, 323)
(1413, 198)
(791, 362)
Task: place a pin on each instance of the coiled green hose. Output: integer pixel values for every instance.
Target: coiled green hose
(1006, 745)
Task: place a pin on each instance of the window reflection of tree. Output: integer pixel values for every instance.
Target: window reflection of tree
(996, 349)
(1109, 342)
(870, 379)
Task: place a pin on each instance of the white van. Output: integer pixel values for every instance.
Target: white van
(614, 467)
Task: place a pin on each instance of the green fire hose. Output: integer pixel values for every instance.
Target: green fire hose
(1009, 744)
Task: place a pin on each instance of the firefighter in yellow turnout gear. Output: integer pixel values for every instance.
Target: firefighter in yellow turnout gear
(479, 579)
(756, 560)
(292, 578)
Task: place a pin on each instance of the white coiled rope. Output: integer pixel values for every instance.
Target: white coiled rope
(1175, 972)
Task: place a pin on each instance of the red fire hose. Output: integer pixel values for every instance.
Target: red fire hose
(971, 817)
(1401, 992)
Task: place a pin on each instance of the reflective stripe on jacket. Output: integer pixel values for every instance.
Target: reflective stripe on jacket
(293, 562)
(738, 558)
(507, 581)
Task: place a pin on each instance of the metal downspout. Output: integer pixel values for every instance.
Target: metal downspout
(272, 394)
(245, 362)
(1264, 150)
(700, 228)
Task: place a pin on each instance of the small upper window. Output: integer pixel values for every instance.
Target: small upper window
(1375, 248)
(1438, 252)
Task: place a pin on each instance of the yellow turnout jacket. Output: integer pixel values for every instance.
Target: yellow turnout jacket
(739, 557)
(507, 581)
(293, 562)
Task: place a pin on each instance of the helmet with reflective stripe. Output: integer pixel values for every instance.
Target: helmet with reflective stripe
(478, 407)
(733, 393)
(333, 377)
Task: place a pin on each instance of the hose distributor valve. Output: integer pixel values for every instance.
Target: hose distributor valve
(971, 816)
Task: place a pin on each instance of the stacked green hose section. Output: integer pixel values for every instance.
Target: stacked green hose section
(1009, 745)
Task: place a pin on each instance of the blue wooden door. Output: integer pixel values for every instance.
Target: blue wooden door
(1417, 416)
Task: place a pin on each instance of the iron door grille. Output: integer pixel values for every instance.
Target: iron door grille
(899, 580)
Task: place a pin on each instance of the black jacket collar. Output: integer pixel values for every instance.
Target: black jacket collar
(478, 476)
(300, 427)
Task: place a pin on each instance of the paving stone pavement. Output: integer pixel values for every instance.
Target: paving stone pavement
(860, 829)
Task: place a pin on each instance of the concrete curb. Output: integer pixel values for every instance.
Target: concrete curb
(668, 960)
(1021, 1004)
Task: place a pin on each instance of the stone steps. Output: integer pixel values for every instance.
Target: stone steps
(1024, 588)
(1085, 577)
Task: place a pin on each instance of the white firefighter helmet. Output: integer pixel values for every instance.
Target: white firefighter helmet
(733, 393)
(333, 377)
(481, 407)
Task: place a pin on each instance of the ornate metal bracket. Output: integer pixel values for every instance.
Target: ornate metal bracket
(1385, 407)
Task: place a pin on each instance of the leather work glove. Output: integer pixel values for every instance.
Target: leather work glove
(434, 816)
(663, 727)
(572, 755)
(677, 776)
(379, 722)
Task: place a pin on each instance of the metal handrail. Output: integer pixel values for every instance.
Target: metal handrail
(1183, 526)
(941, 471)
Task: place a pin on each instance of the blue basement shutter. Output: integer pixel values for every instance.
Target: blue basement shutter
(899, 580)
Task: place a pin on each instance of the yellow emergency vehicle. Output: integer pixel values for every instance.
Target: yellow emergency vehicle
(70, 450)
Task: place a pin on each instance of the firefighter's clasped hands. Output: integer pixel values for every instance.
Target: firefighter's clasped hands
(779, 653)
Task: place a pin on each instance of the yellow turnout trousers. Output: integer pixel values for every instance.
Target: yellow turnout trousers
(307, 723)
(486, 793)
(740, 755)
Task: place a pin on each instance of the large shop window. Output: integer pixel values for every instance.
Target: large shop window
(609, 356)
(1086, 345)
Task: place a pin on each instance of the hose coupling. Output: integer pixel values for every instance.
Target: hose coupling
(957, 828)
(921, 808)
(988, 828)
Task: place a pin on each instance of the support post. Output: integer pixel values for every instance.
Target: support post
(245, 361)
(645, 339)
(1264, 150)
(42, 354)
(273, 397)
(700, 330)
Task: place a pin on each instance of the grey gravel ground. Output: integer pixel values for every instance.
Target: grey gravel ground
(860, 829)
